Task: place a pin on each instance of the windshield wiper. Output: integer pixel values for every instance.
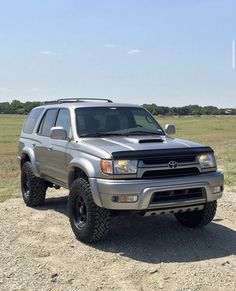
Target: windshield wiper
(136, 132)
(100, 134)
(142, 132)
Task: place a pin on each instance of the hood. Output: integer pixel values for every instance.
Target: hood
(132, 144)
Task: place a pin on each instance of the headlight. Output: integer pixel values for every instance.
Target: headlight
(207, 161)
(125, 167)
(119, 166)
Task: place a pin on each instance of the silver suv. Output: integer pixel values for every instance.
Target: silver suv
(115, 158)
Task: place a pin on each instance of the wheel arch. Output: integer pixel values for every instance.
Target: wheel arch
(80, 168)
(27, 155)
(83, 168)
(24, 158)
(76, 172)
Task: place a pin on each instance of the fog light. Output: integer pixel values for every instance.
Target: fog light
(217, 189)
(125, 198)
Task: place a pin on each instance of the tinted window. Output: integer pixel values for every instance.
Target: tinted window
(63, 119)
(31, 120)
(142, 120)
(115, 120)
(48, 122)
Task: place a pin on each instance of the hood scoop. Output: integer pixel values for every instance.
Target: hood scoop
(151, 140)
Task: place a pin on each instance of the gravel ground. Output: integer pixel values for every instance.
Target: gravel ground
(38, 251)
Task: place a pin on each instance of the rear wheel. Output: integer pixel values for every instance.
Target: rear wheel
(198, 218)
(33, 188)
(88, 221)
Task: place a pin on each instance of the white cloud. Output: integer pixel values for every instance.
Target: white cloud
(46, 52)
(134, 51)
(109, 45)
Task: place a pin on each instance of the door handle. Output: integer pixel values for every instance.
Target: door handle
(50, 149)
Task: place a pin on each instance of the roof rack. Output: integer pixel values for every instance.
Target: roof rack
(72, 100)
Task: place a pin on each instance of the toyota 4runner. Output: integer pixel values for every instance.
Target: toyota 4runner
(115, 158)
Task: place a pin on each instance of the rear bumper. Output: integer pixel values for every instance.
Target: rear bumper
(103, 191)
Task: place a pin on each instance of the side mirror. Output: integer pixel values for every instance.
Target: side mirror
(170, 129)
(58, 133)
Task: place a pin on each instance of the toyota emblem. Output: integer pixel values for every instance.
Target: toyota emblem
(173, 164)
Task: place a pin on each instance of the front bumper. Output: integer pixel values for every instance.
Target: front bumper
(103, 191)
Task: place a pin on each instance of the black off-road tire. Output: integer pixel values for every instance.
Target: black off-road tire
(89, 222)
(33, 188)
(198, 218)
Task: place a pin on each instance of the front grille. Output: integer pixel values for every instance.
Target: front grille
(167, 159)
(177, 195)
(171, 173)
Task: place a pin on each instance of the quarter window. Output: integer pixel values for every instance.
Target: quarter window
(31, 120)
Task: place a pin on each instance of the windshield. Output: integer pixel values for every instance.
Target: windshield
(106, 121)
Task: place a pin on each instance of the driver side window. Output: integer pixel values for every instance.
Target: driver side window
(63, 119)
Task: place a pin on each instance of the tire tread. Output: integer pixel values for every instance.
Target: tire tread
(198, 218)
(37, 187)
(99, 223)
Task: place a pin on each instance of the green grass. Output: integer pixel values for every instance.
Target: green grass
(218, 132)
(10, 128)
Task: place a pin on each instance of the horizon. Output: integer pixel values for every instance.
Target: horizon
(114, 101)
(182, 52)
(23, 100)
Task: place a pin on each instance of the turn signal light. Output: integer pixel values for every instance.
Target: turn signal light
(107, 166)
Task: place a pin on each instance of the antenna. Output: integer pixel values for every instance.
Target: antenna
(233, 54)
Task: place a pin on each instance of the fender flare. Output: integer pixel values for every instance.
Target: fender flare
(30, 153)
(87, 167)
(83, 164)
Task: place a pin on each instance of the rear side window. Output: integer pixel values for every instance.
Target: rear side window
(48, 122)
(32, 119)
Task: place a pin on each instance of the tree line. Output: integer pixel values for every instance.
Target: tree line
(189, 110)
(18, 107)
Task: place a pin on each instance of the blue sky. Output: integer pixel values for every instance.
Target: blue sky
(170, 53)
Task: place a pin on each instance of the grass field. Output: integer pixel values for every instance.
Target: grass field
(10, 128)
(218, 132)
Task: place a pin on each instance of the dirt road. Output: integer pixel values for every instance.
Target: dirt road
(38, 251)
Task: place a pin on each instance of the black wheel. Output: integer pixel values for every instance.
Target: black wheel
(198, 218)
(33, 188)
(88, 221)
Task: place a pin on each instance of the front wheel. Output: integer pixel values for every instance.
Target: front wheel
(88, 221)
(198, 218)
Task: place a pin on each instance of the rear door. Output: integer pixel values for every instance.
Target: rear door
(43, 149)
